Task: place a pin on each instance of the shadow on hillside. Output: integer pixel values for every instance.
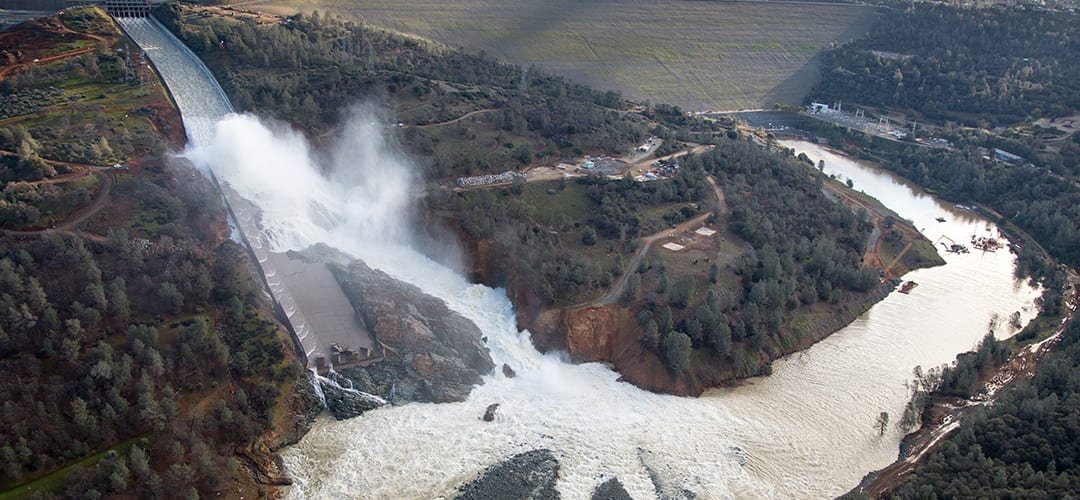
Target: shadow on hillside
(792, 90)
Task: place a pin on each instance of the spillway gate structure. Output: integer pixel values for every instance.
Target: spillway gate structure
(127, 8)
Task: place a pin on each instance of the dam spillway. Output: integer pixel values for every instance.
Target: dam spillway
(333, 332)
(127, 8)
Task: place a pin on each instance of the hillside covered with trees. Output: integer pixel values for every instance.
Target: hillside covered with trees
(570, 241)
(999, 64)
(995, 71)
(138, 353)
(787, 262)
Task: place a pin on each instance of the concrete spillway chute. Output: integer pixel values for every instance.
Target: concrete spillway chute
(306, 296)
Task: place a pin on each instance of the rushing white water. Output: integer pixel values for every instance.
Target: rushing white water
(806, 431)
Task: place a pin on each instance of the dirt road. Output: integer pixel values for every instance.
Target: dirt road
(462, 117)
(58, 28)
(617, 289)
(547, 173)
(7, 69)
(872, 255)
(645, 163)
(68, 226)
(78, 170)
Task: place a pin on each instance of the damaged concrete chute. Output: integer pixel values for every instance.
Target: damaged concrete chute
(278, 199)
(202, 103)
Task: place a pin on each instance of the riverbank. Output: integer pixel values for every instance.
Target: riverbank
(944, 415)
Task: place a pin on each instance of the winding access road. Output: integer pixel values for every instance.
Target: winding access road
(80, 216)
(617, 289)
(455, 120)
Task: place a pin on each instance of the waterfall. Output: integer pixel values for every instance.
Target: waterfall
(363, 396)
(313, 378)
(317, 382)
(337, 376)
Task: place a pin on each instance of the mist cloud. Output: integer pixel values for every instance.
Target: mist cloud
(357, 196)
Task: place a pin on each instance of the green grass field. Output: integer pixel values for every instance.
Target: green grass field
(699, 55)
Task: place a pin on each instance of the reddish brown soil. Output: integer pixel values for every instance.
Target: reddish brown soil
(39, 39)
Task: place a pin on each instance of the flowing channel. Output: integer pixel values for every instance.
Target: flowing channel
(806, 431)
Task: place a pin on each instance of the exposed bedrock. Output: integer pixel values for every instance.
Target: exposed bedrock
(431, 353)
(529, 475)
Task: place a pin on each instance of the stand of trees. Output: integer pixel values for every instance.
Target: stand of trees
(93, 129)
(533, 240)
(1043, 201)
(1002, 65)
(101, 340)
(806, 249)
(987, 67)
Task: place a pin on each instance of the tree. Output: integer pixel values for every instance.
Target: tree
(119, 306)
(666, 323)
(171, 297)
(882, 422)
(652, 334)
(720, 338)
(633, 286)
(588, 236)
(677, 349)
(29, 160)
(517, 185)
(681, 292)
(523, 153)
(94, 294)
(661, 283)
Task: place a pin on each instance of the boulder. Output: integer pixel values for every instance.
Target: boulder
(266, 466)
(612, 489)
(489, 414)
(347, 403)
(529, 475)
